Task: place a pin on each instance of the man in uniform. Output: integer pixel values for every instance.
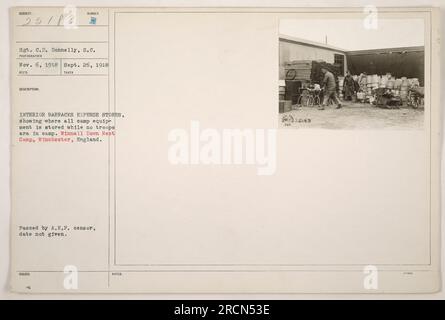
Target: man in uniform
(329, 89)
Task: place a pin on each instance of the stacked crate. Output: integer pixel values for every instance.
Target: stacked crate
(297, 73)
(298, 70)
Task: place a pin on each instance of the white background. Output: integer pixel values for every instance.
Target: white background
(5, 129)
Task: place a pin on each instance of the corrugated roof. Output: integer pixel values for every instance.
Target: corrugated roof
(349, 52)
(310, 43)
(387, 50)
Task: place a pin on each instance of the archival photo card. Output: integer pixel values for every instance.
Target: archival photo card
(225, 150)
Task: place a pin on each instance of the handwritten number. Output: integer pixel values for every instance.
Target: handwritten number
(27, 22)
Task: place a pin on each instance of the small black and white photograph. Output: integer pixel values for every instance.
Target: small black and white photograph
(351, 74)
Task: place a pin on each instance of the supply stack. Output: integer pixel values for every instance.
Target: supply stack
(397, 89)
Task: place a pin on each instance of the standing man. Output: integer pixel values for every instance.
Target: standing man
(349, 86)
(329, 89)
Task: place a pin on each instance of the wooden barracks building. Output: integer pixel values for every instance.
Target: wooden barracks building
(406, 61)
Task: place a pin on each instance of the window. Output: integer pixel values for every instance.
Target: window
(339, 60)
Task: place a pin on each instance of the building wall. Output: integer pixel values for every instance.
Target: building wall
(290, 51)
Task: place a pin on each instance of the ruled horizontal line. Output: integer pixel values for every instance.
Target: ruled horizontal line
(60, 75)
(63, 26)
(222, 271)
(61, 42)
(21, 58)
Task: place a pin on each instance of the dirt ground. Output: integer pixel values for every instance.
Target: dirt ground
(353, 116)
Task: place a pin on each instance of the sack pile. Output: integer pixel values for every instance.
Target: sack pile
(398, 87)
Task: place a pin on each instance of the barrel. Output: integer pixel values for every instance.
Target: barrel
(292, 88)
(415, 82)
(383, 81)
(404, 88)
(364, 80)
(405, 82)
(390, 84)
(405, 85)
(403, 94)
(360, 95)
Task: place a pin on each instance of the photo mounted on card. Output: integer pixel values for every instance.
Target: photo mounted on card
(225, 150)
(362, 73)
